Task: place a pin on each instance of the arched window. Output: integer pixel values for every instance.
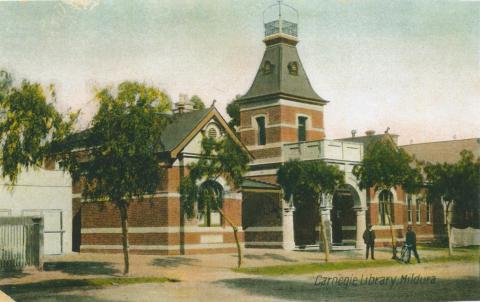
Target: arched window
(302, 128)
(386, 207)
(262, 139)
(209, 202)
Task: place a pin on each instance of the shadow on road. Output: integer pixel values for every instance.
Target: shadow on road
(60, 298)
(174, 261)
(268, 256)
(81, 267)
(441, 290)
(13, 274)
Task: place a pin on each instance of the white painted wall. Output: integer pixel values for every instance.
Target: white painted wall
(42, 192)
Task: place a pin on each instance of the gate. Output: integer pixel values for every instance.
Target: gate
(21, 242)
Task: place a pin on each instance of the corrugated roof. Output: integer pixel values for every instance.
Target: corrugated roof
(279, 82)
(444, 151)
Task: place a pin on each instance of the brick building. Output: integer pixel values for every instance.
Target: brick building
(157, 224)
(281, 118)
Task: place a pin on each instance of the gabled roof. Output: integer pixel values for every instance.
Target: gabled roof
(178, 133)
(278, 81)
(185, 126)
(180, 126)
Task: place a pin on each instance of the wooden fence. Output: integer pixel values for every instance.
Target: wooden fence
(21, 242)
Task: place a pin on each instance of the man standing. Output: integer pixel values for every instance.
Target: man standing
(369, 239)
(411, 242)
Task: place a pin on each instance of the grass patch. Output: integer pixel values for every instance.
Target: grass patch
(68, 284)
(454, 258)
(309, 268)
(464, 249)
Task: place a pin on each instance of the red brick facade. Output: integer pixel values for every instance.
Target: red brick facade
(155, 224)
(281, 127)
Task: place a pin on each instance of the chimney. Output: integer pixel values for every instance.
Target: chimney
(370, 132)
(183, 104)
(354, 131)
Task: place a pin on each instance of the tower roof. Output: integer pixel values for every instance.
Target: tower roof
(281, 73)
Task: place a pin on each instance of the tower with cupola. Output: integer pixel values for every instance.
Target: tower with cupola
(281, 106)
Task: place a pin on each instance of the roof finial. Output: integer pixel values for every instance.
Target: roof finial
(280, 9)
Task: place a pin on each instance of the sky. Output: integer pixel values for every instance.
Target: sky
(413, 66)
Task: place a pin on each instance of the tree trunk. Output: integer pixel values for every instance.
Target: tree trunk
(123, 207)
(392, 233)
(449, 228)
(323, 237)
(235, 234)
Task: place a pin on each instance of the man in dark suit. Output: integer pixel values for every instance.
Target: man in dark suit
(369, 239)
(411, 242)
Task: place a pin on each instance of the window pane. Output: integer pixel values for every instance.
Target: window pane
(409, 208)
(386, 207)
(261, 130)
(302, 129)
(418, 211)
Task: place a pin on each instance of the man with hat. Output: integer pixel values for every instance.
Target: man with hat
(369, 239)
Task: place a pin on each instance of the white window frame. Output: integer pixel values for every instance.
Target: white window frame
(381, 210)
(428, 213)
(409, 209)
(418, 212)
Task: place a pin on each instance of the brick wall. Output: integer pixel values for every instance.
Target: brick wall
(262, 219)
(284, 115)
(154, 225)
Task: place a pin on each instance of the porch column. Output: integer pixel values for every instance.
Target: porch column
(325, 212)
(361, 226)
(287, 226)
(325, 208)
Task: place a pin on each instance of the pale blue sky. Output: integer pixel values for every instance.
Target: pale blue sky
(411, 65)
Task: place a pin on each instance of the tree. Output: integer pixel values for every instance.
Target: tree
(29, 122)
(197, 102)
(311, 182)
(218, 158)
(454, 184)
(233, 110)
(119, 158)
(385, 166)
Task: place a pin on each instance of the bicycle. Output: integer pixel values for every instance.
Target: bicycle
(405, 253)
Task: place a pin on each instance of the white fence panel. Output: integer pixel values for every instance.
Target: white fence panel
(21, 242)
(465, 237)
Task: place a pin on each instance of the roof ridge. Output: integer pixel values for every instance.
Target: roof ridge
(444, 141)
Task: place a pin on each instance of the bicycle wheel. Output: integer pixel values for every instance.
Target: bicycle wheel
(404, 255)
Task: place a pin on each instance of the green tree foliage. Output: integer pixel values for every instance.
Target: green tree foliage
(219, 158)
(233, 110)
(385, 166)
(119, 161)
(197, 102)
(454, 184)
(29, 123)
(311, 182)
